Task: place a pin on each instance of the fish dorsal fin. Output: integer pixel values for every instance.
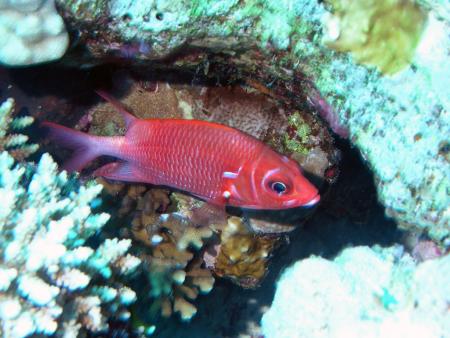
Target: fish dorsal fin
(127, 116)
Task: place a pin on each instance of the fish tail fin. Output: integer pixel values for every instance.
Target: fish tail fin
(86, 147)
(126, 115)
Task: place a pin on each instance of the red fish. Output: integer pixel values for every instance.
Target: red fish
(216, 163)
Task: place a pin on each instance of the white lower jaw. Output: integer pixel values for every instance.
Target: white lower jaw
(289, 204)
(312, 202)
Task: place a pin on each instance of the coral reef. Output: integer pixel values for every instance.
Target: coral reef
(399, 123)
(181, 257)
(32, 32)
(362, 292)
(284, 74)
(174, 268)
(15, 144)
(51, 281)
(380, 33)
(176, 249)
(166, 258)
(171, 253)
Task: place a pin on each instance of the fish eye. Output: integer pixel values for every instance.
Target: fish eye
(278, 187)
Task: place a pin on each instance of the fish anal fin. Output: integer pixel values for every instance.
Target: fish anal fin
(119, 171)
(119, 106)
(79, 159)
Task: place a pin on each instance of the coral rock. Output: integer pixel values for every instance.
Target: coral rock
(362, 292)
(32, 32)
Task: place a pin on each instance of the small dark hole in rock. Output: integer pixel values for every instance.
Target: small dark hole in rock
(126, 17)
(159, 16)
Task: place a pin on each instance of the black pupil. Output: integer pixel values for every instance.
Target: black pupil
(279, 187)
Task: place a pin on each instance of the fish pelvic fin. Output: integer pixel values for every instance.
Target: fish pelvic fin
(119, 171)
(119, 106)
(210, 214)
(86, 147)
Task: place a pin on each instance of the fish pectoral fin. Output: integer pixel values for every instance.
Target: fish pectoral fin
(120, 171)
(209, 214)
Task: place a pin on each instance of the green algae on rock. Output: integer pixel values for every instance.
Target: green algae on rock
(296, 141)
(407, 156)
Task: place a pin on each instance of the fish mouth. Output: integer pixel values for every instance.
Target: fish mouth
(313, 202)
(294, 203)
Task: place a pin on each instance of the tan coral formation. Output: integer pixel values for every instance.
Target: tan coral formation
(188, 285)
(175, 248)
(32, 32)
(173, 245)
(242, 256)
(170, 248)
(383, 33)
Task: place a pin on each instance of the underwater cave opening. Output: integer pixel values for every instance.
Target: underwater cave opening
(349, 216)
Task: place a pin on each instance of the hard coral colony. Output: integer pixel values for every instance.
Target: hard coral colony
(51, 280)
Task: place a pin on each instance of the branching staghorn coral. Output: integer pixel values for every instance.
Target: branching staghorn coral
(51, 281)
(10, 140)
